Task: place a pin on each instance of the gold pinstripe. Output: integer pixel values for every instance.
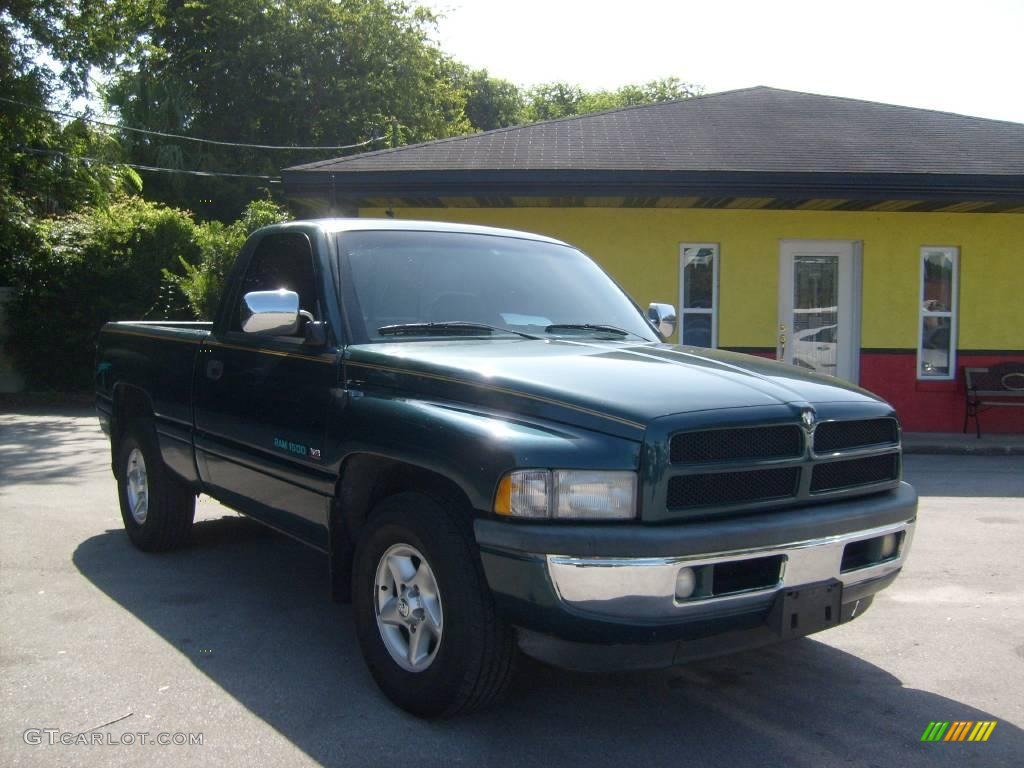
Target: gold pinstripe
(220, 345)
(127, 332)
(331, 359)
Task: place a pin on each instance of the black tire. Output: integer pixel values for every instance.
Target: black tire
(171, 504)
(475, 656)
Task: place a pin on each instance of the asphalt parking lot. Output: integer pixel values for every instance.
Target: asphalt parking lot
(236, 639)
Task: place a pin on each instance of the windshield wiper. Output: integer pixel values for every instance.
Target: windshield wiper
(556, 327)
(452, 328)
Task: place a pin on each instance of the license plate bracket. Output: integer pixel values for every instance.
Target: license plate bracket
(806, 609)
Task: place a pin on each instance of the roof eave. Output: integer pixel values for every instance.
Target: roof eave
(354, 185)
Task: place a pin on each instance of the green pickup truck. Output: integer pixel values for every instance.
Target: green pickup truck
(497, 452)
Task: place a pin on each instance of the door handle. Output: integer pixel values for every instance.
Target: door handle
(214, 369)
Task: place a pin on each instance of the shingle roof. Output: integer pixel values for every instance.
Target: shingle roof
(754, 130)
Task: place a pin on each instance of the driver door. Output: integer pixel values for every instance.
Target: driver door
(261, 402)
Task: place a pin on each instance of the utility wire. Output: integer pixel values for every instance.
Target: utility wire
(187, 138)
(55, 153)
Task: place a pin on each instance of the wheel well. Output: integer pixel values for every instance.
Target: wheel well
(129, 403)
(367, 479)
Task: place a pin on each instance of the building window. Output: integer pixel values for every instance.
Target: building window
(936, 347)
(698, 294)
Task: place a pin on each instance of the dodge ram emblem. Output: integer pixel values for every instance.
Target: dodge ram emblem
(807, 417)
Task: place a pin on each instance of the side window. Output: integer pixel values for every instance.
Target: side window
(698, 294)
(282, 261)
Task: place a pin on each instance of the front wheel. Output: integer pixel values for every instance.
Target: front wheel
(157, 508)
(424, 615)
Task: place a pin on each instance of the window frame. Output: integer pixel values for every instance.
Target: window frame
(231, 310)
(952, 314)
(712, 311)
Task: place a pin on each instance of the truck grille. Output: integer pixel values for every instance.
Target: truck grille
(704, 490)
(844, 435)
(712, 445)
(850, 473)
(737, 469)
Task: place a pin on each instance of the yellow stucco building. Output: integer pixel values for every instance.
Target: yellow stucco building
(881, 244)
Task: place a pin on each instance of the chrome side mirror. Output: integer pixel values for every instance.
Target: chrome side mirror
(663, 318)
(270, 313)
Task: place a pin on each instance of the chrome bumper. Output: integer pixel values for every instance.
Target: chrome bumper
(645, 588)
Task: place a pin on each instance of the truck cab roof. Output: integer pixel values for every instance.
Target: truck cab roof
(337, 225)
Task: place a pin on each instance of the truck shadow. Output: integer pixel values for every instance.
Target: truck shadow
(250, 609)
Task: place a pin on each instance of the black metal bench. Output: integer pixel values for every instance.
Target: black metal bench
(999, 386)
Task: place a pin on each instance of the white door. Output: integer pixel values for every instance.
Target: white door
(819, 306)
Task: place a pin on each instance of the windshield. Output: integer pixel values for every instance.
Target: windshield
(429, 284)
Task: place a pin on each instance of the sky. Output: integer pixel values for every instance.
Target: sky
(965, 57)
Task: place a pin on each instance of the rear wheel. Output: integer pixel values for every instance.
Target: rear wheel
(157, 508)
(424, 614)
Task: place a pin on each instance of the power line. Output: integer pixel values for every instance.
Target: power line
(187, 138)
(136, 166)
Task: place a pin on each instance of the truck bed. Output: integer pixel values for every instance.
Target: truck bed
(158, 359)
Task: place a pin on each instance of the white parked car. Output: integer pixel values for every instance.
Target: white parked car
(815, 349)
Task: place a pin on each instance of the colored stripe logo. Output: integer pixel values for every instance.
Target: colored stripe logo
(958, 730)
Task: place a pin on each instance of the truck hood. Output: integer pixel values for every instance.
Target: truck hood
(569, 380)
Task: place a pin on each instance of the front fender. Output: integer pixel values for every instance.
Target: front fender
(473, 447)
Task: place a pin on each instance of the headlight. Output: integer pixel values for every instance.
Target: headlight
(567, 494)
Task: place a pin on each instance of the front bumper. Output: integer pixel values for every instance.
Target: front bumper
(615, 585)
(645, 588)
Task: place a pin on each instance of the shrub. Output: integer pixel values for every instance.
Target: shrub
(20, 238)
(96, 265)
(219, 243)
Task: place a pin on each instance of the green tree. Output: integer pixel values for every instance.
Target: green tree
(295, 72)
(490, 101)
(43, 174)
(654, 91)
(40, 174)
(75, 34)
(553, 100)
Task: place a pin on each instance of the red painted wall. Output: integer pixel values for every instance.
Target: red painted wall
(934, 406)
